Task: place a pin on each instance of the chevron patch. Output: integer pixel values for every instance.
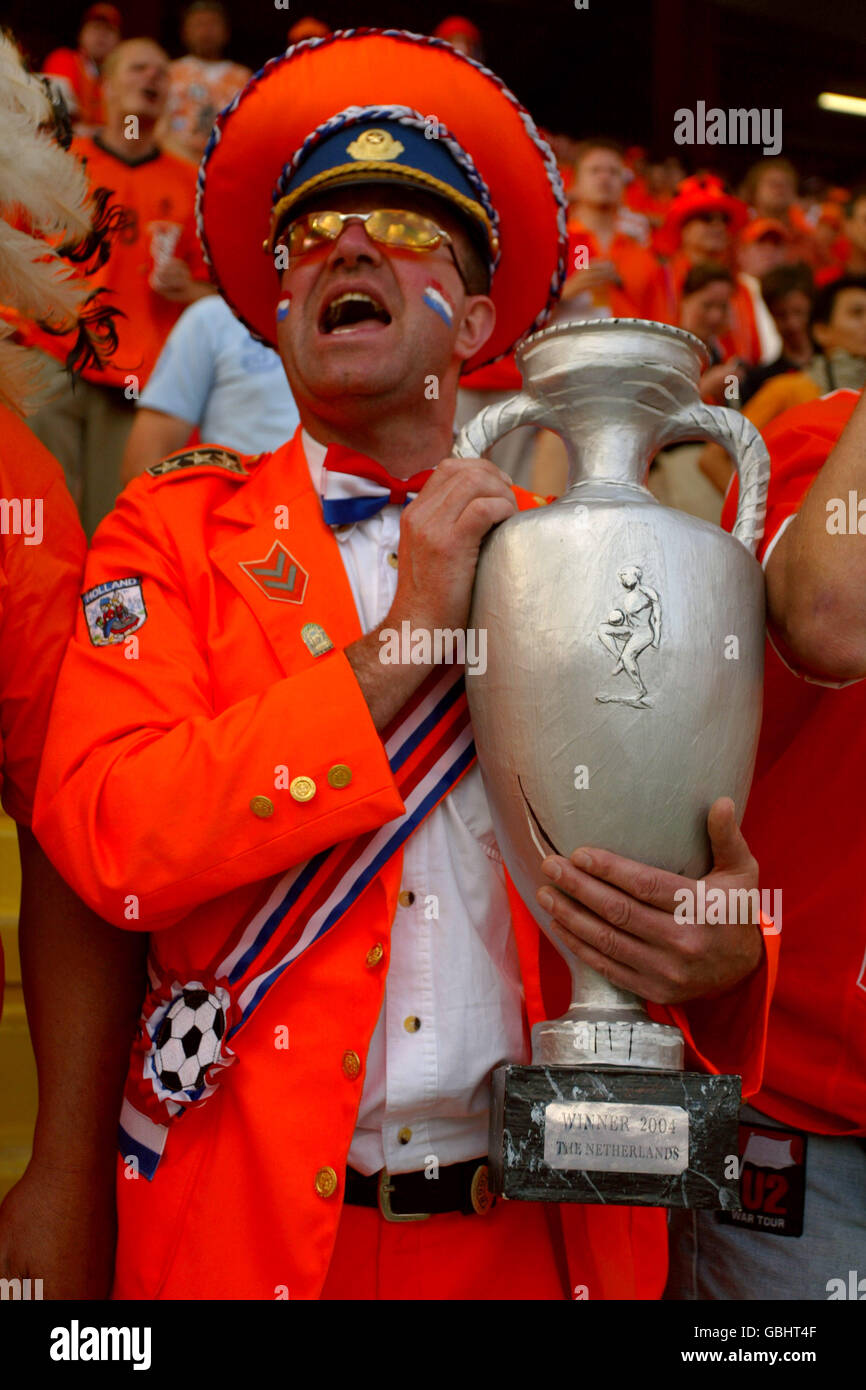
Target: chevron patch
(279, 575)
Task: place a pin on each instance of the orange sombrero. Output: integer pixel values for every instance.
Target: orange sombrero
(299, 124)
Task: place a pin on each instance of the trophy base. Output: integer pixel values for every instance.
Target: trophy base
(619, 1136)
(594, 1037)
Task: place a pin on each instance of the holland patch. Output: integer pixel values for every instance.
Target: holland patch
(436, 299)
(114, 610)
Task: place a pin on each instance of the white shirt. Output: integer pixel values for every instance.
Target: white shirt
(454, 963)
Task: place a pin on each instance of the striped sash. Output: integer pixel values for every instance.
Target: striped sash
(186, 1027)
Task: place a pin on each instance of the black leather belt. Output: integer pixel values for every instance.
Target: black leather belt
(460, 1187)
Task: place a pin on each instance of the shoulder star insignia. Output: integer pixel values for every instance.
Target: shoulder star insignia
(198, 458)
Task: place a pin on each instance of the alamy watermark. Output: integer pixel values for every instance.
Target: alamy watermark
(737, 126)
(719, 907)
(423, 646)
(22, 516)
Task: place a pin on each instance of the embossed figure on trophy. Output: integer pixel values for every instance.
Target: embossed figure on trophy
(636, 625)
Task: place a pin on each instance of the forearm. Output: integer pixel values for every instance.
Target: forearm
(83, 985)
(385, 686)
(816, 574)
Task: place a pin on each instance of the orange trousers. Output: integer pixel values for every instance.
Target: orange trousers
(509, 1253)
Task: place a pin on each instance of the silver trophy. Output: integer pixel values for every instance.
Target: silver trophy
(622, 696)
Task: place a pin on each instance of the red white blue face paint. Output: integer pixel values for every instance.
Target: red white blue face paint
(436, 299)
(283, 306)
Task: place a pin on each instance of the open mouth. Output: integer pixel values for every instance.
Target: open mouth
(350, 309)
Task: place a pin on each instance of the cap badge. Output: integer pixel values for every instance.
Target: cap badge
(375, 144)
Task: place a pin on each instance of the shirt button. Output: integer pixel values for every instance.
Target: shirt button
(351, 1065)
(406, 897)
(375, 954)
(411, 1024)
(302, 788)
(339, 775)
(404, 1135)
(262, 806)
(393, 561)
(326, 1182)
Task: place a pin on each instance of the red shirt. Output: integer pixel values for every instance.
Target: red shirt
(157, 193)
(804, 823)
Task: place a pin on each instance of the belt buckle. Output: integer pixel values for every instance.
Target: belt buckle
(385, 1190)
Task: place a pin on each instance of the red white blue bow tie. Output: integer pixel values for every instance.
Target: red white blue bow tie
(354, 487)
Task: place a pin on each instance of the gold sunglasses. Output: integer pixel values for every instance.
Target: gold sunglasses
(407, 231)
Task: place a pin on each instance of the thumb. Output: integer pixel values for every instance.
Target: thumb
(731, 854)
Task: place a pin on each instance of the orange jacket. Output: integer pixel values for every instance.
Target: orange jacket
(154, 765)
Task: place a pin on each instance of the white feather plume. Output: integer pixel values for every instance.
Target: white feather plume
(43, 190)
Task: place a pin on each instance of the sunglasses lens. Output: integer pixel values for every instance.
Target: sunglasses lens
(400, 228)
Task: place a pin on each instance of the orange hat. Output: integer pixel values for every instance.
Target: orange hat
(351, 108)
(699, 194)
(103, 14)
(307, 28)
(761, 227)
(457, 24)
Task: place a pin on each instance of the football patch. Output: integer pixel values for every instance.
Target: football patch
(113, 610)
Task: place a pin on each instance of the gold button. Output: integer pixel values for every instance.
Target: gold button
(262, 806)
(411, 1024)
(302, 788)
(406, 897)
(393, 560)
(351, 1065)
(339, 775)
(539, 501)
(404, 1135)
(326, 1182)
(375, 954)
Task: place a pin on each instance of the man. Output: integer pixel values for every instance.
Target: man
(762, 248)
(854, 225)
(613, 275)
(803, 1155)
(770, 189)
(211, 376)
(77, 72)
(203, 81)
(260, 785)
(154, 270)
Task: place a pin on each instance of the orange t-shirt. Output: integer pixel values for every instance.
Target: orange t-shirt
(804, 824)
(81, 76)
(644, 293)
(41, 562)
(157, 193)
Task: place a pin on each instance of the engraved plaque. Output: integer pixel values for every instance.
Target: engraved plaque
(595, 1136)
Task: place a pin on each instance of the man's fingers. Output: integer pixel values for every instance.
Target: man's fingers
(653, 886)
(731, 854)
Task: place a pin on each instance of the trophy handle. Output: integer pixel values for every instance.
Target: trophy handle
(491, 423)
(741, 440)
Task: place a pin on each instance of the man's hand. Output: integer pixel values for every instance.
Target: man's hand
(173, 280)
(440, 537)
(617, 916)
(60, 1227)
(595, 276)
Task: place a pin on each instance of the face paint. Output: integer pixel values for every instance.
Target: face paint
(283, 307)
(436, 299)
